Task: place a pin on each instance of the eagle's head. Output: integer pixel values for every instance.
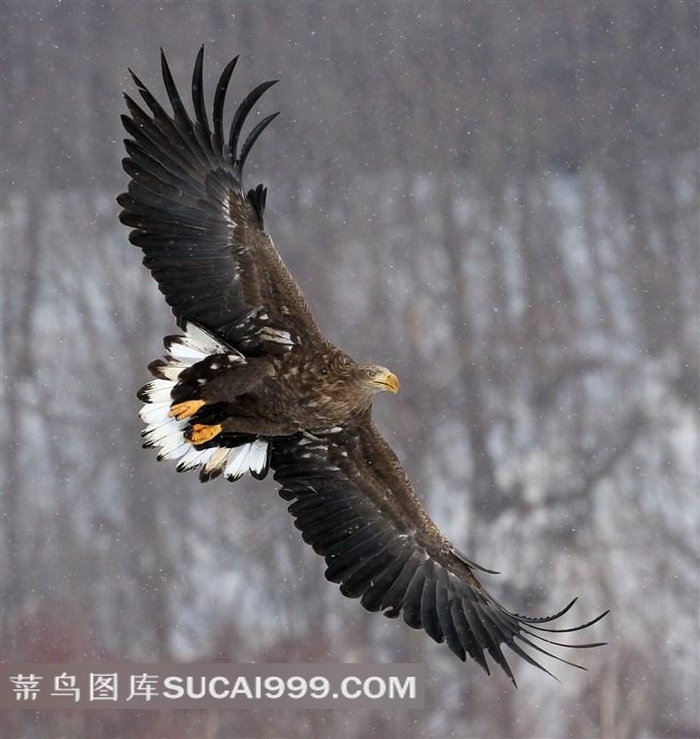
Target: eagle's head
(374, 378)
(346, 387)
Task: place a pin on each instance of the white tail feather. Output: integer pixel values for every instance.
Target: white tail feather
(259, 457)
(216, 461)
(195, 458)
(196, 344)
(158, 391)
(155, 413)
(239, 462)
(156, 435)
(172, 371)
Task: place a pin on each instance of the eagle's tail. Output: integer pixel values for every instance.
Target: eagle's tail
(168, 418)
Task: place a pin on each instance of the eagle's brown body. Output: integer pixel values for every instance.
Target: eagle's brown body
(285, 394)
(253, 385)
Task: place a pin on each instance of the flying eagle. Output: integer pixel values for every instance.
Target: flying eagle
(253, 385)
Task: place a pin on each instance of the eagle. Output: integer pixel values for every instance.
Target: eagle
(252, 385)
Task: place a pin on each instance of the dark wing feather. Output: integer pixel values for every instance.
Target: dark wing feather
(202, 235)
(353, 504)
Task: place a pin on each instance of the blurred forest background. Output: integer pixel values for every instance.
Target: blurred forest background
(499, 201)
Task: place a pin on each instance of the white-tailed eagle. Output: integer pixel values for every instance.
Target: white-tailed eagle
(253, 385)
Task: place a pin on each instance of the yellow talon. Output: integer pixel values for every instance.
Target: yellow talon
(180, 411)
(200, 433)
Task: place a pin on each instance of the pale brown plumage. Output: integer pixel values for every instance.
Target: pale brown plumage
(254, 384)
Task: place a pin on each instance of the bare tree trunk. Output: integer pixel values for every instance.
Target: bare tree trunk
(20, 303)
(486, 494)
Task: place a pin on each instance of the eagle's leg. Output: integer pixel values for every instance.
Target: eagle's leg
(186, 409)
(200, 433)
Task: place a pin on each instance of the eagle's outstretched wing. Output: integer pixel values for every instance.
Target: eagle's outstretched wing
(205, 243)
(353, 504)
(202, 234)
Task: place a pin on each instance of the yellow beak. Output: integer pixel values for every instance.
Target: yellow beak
(387, 381)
